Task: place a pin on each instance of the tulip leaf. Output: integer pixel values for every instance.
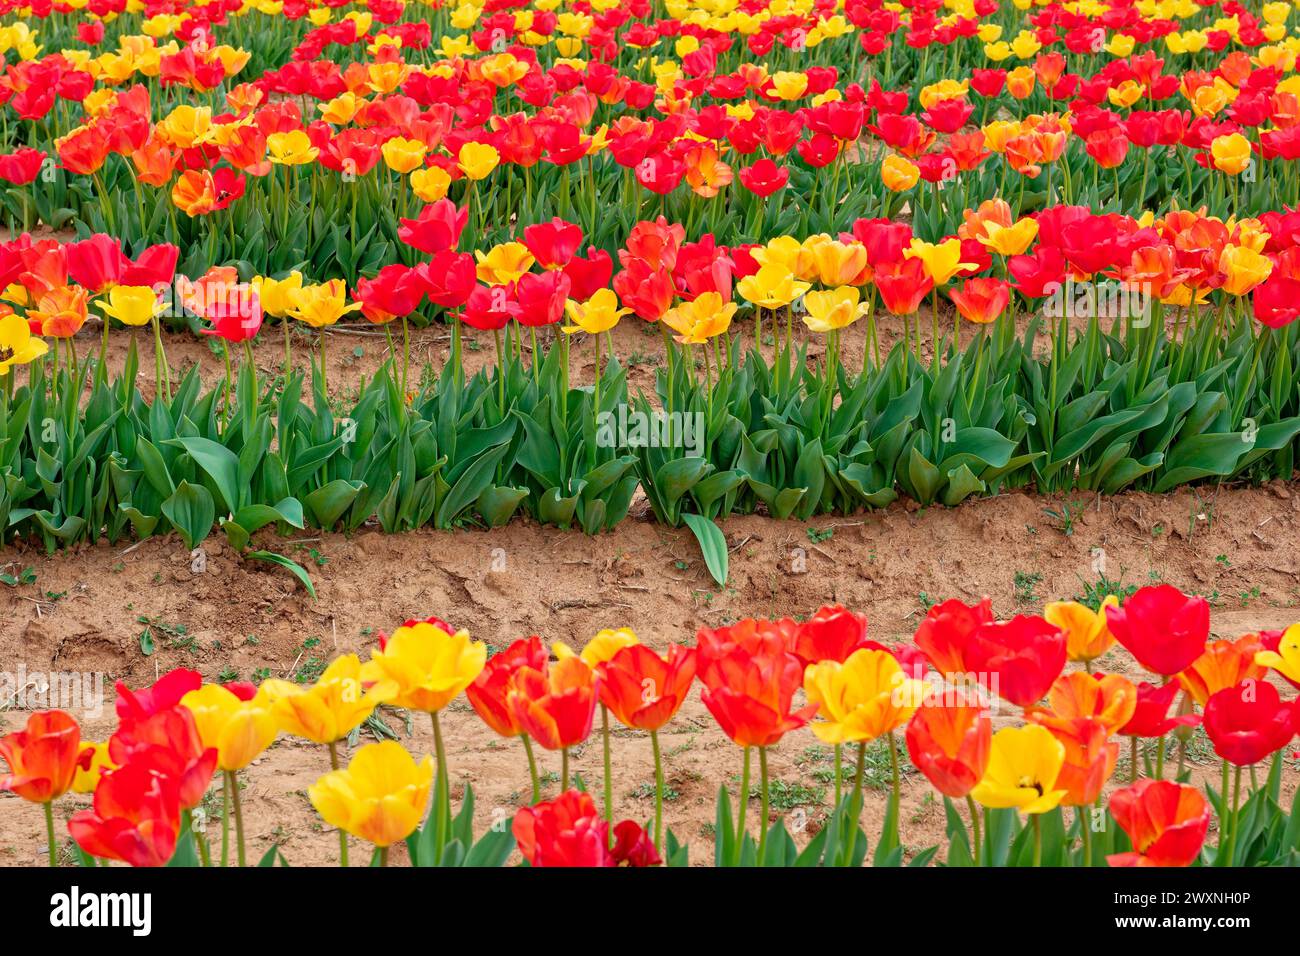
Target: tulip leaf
(712, 543)
(288, 564)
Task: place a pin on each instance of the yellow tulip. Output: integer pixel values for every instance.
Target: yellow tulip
(1243, 269)
(601, 648)
(504, 263)
(700, 320)
(402, 155)
(322, 305)
(133, 305)
(477, 160)
(187, 126)
(86, 778)
(293, 148)
(864, 698)
(1024, 763)
(238, 729)
(331, 708)
(430, 184)
(899, 174)
(1231, 153)
(942, 260)
(277, 296)
(833, 309)
(429, 666)
(1009, 240)
(380, 797)
(1286, 659)
(788, 85)
(598, 314)
(1087, 635)
(771, 287)
(17, 344)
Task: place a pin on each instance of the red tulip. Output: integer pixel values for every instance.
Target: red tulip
(1151, 717)
(436, 229)
(539, 298)
(42, 757)
(1249, 722)
(168, 741)
(903, 285)
(136, 817)
(750, 683)
(396, 291)
(1021, 657)
(589, 274)
(644, 690)
(489, 307)
(489, 693)
(97, 262)
(22, 166)
(569, 831)
(946, 631)
(1166, 822)
(552, 243)
(1163, 628)
(164, 694)
(449, 278)
(555, 706)
(764, 177)
(981, 300)
(948, 741)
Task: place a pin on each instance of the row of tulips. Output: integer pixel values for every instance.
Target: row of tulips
(1207, 395)
(761, 680)
(745, 150)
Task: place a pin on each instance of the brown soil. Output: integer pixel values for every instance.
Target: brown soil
(83, 613)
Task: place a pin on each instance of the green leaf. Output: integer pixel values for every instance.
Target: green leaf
(713, 544)
(293, 567)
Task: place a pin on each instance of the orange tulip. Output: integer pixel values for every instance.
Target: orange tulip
(948, 741)
(556, 706)
(1224, 664)
(42, 757)
(645, 690)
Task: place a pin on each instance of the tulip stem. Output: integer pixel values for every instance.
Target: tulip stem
(1133, 767)
(839, 762)
(232, 786)
(532, 767)
(855, 801)
(609, 783)
(975, 827)
(343, 834)
(1160, 759)
(659, 791)
(1038, 840)
(406, 353)
(288, 353)
(763, 806)
(1236, 803)
(740, 811)
(443, 808)
(383, 856)
(1085, 830)
(49, 833)
(564, 769)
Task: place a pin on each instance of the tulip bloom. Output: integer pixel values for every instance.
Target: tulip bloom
(42, 757)
(863, 698)
(1024, 763)
(556, 707)
(169, 740)
(1224, 664)
(1285, 657)
(833, 309)
(428, 665)
(772, 287)
(981, 300)
(949, 740)
(700, 319)
(598, 314)
(1166, 822)
(17, 344)
(1087, 635)
(136, 817)
(1163, 628)
(568, 832)
(331, 708)
(130, 305)
(1023, 657)
(380, 796)
(945, 633)
(1249, 722)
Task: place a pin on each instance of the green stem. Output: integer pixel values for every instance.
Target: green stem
(564, 769)
(225, 819)
(975, 826)
(233, 784)
(659, 791)
(443, 809)
(1038, 841)
(49, 833)
(764, 805)
(609, 782)
(532, 767)
(740, 811)
(343, 834)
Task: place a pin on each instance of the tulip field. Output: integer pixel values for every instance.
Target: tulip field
(478, 433)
